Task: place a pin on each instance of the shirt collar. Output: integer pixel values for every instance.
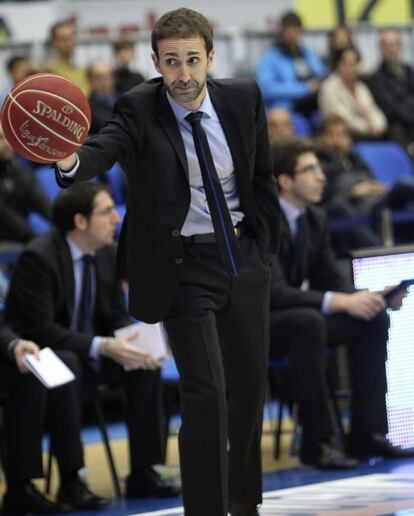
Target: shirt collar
(181, 112)
(75, 251)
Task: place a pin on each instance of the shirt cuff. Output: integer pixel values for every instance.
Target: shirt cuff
(69, 173)
(94, 349)
(10, 348)
(326, 303)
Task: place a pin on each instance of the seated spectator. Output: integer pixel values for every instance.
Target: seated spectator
(392, 86)
(125, 78)
(343, 94)
(102, 94)
(279, 124)
(28, 403)
(352, 190)
(289, 73)
(18, 67)
(312, 307)
(19, 193)
(64, 294)
(62, 40)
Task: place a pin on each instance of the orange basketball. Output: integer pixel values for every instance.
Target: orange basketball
(45, 117)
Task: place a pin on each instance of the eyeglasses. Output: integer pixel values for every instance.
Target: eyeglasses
(105, 212)
(309, 169)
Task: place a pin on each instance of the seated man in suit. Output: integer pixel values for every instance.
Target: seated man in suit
(64, 294)
(25, 409)
(313, 307)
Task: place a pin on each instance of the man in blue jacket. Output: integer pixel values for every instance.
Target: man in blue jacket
(289, 73)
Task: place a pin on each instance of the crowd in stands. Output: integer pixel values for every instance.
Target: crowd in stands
(317, 108)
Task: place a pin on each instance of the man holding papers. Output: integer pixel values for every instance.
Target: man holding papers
(25, 410)
(64, 295)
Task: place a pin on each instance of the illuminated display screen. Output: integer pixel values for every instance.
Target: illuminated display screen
(375, 273)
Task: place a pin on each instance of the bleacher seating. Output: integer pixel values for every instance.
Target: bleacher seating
(388, 160)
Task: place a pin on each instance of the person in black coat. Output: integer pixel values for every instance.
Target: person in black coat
(125, 78)
(196, 261)
(312, 307)
(27, 403)
(392, 86)
(47, 303)
(19, 193)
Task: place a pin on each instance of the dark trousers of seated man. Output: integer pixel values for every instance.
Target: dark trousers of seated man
(303, 335)
(30, 410)
(142, 404)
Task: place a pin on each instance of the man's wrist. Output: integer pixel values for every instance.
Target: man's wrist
(11, 347)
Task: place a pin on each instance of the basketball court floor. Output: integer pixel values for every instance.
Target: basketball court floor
(377, 487)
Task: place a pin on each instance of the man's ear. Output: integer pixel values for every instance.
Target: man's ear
(156, 62)
(210, 57)
(80, 222)
(285, 182)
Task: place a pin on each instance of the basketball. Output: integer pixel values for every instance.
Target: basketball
(45, 118)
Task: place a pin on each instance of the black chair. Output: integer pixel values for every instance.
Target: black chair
(96, 393)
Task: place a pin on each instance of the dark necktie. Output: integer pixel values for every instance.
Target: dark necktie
(85, 323)
(223, 226)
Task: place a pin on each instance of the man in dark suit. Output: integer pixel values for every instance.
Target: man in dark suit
(25, 406)
(46, 303)
(202, 215)
(313, 307)
(102, 94)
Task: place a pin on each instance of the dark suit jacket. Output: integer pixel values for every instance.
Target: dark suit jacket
(6, 336)
(40, 301)
(144, 137)
(395, 95)
(317, 265)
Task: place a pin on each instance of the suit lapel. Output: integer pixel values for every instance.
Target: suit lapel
(66, 267)
(170, 125)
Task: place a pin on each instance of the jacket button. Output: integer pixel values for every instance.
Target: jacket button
(175, 232)
(178, 261)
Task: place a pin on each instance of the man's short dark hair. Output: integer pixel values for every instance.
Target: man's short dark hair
(78, 198)
(330, 121)
(285, 153)
(182, 23)
(120, 44)
(14, 60)
(290, 19)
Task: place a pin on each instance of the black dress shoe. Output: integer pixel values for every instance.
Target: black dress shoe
(147, 483)
(376, 445)
(76, 494)
(326, 456)
(241, 509)
(25, 499)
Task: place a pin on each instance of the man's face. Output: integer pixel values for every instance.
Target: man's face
(290, 35)
(279, 124)
(6, 152)
(101, 80)
(306, 187)
(390, 47)
(183, 64)
(64, 40)
(337, 138)
(101, 226)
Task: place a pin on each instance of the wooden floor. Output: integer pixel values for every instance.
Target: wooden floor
(97, 471)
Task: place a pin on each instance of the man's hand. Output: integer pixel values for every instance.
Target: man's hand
(395, 302)
(20, 349)
(368, 188)
(122, 351)
(67, 164)
(362, 305)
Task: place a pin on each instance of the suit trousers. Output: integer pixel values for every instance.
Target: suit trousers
(30, 410)
(143, 410)
(304, 335)
(218, 332)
